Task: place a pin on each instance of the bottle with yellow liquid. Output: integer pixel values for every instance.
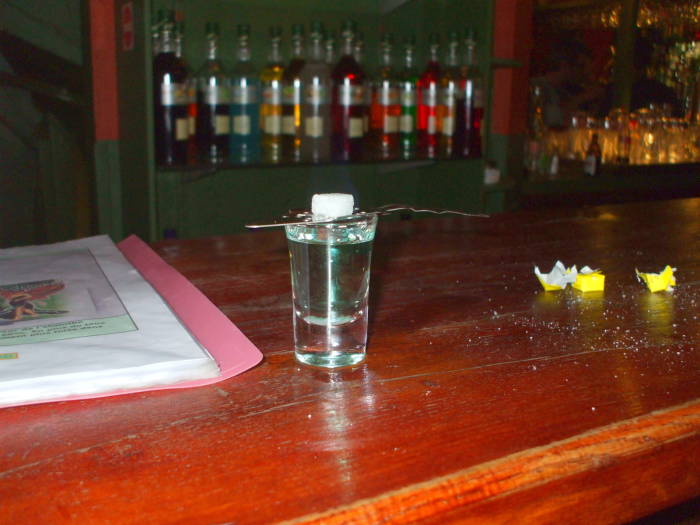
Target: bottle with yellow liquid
(271, 104)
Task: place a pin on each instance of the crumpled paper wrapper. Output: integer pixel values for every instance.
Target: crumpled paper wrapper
(658, 282)
(586, 280)
(558, 278)
(589, 280)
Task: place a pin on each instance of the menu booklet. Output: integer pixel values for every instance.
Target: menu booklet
(78, 319)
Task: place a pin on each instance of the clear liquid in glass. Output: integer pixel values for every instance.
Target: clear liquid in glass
(330, 268)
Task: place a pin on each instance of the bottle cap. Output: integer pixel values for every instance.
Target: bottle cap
(243, 29)
(470, 34)
(298, 29)
(275, 31)
(331, 205)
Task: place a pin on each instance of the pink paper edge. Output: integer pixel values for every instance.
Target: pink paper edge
(232, 350)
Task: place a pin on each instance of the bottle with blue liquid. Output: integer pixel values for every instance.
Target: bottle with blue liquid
(244, 140)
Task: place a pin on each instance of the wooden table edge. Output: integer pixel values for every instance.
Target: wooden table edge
(590, 452)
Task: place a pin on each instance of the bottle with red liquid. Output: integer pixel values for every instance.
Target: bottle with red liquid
(348, 105)
(428, 88)
(170, 101)
(191, 95)
(470, 112)
(449, 139)
(385, 109)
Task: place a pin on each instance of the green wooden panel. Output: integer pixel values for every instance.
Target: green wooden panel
(222, 202)
(108, 188)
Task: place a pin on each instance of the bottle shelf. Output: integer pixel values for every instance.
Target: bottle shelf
(196, 171)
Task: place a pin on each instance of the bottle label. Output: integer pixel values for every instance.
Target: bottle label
(408, 95)
(216, 95)
(407, 124)
(315, 94)
(356, 128)
(182, 129)
(191, 125)
(432, 124)
(174, 94)
(388, 96)
(288, 127)
(430, 96)
(314, 127)
(241, 125)
(391, 124)
(272, 124)
(244, 95)
(222, 125)
(448, 96)
(448, 126)
(291, 94)
(350, 95)
(272, 94)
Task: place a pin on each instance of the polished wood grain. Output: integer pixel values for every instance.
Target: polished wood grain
(483, 398)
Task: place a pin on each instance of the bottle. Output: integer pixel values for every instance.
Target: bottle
(271, 103)
(330, 48)
(535, 153)
(191, 95)
(470, 112)
(156, 29)
(592, 161)
(347, 102)
(428, 101)
(620, 122)
(315, 110)
(244, 140)
(292, 98)
(447, 100)
(385, 108)
(213, 100)
(408, 99)
(170, 101)
(358, 53)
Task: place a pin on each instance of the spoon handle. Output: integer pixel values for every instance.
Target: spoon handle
(295, 217)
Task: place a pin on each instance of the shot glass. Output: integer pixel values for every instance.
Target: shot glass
(330, 269)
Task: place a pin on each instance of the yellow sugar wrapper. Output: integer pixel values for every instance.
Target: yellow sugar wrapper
(589, 280)
(658, 282)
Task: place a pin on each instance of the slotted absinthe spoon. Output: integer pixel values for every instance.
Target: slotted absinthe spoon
(294, 217)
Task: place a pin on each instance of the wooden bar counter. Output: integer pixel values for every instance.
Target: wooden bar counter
(483, 398)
